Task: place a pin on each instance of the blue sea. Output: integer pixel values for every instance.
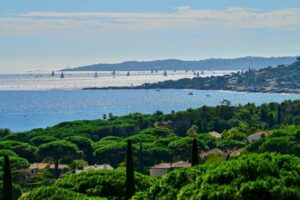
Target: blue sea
(28, 109)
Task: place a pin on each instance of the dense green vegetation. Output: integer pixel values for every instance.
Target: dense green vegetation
(56, 193)
(268, 166)
(280, 79)
(101, 183)
(251, 176)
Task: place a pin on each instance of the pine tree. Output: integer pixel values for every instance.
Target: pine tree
(195, 156)
(7, 182)
(130, 186)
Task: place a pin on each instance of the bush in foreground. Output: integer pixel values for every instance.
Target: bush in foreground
(56, 193)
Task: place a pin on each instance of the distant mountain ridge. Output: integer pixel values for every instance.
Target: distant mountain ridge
(243, 63)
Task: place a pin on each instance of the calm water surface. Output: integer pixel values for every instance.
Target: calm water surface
(25, 110)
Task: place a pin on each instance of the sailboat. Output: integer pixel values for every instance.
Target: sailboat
(52, 74)
(165, 73)
(96, 75)
(62, 75)
(128, 73)
(113, 72)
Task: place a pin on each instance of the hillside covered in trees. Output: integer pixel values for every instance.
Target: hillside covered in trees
(266, 168)
(284, 78)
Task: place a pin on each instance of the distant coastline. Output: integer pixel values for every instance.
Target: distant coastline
(139, 87)
(243, 63)
(281, 79)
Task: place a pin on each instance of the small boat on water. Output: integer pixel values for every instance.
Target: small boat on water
(96, 75)
(165, 73)
(157, 90)
(207, 95)
(52, 74)
(128, 73)
(190, 93)
(62, 75)
(114, 72)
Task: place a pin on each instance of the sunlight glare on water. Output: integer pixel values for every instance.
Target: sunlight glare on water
(79, 80)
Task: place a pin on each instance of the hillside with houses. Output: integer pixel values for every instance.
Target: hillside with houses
(191, 145)
(280, 79)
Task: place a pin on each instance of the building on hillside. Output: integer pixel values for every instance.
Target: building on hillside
(95, 167)
(236, 152)
(163, 168)
(215, 134)
(34, 168)
(256, 136)
(164, 124)
(214, 151)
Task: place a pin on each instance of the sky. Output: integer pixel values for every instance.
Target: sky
(48, 35)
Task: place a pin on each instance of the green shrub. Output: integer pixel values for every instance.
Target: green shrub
(56, 193)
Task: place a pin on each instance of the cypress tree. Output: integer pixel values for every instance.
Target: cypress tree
(195, 156)
(130, 189)
(271, 120)
(263, 114)
(141, 158)
(279, 114)
(7, 182)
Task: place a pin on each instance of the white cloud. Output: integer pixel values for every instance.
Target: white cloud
(182, 18)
